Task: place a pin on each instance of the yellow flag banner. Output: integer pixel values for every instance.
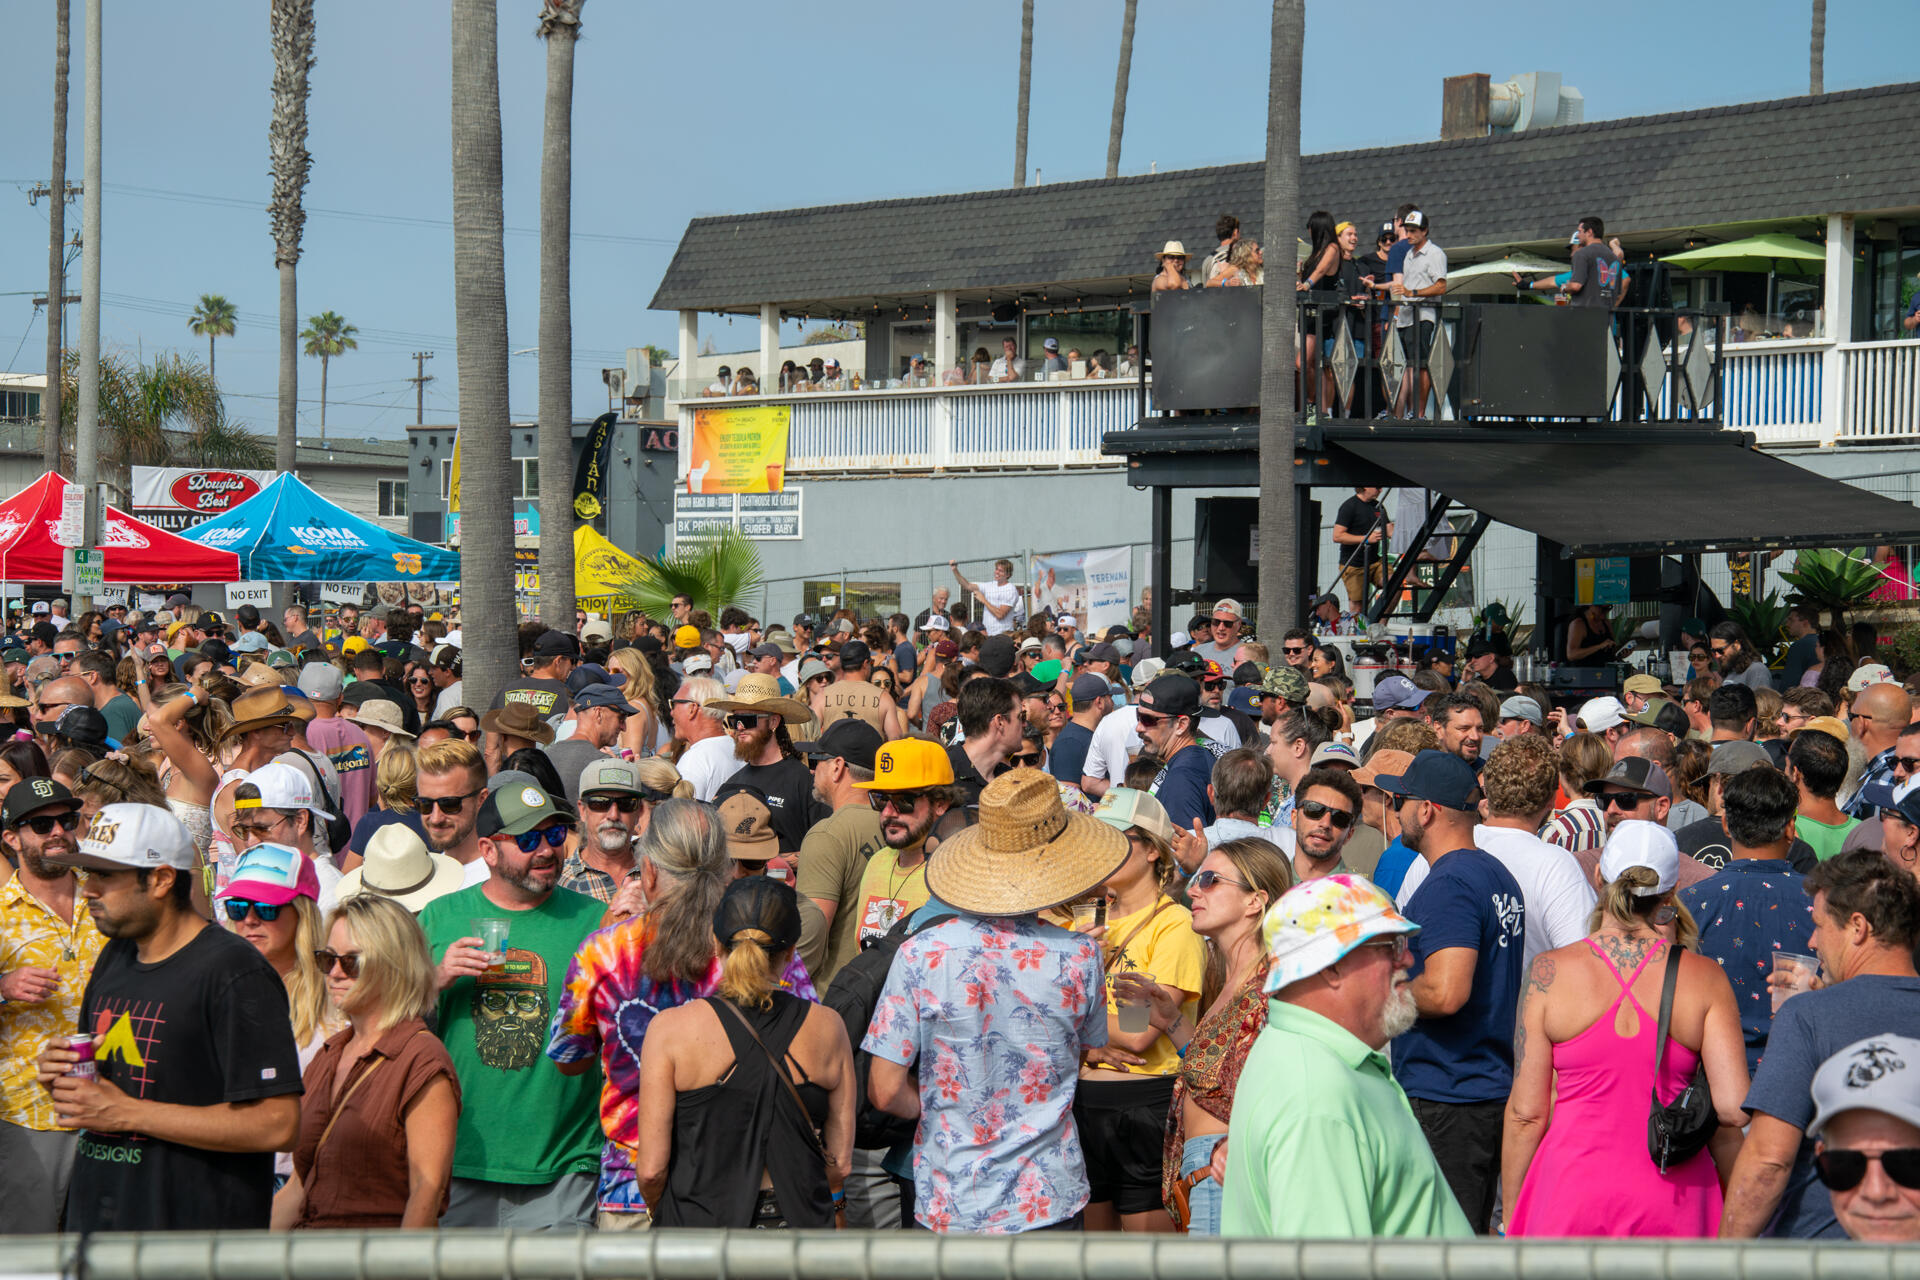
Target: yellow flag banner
(741, 450)
(453, 475)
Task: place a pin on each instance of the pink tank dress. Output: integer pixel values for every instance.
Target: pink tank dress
(1592, 1175)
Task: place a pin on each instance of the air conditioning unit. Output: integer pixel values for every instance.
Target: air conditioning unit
(639, 370)
(1535, 100)
(616, 380)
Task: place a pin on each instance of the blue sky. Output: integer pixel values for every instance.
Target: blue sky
(686, 110)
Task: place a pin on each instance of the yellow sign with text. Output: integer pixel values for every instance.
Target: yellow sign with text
(741, 450)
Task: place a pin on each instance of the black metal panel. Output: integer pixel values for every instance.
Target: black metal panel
(1543, 362)
(1222, 541)
(1206, 348)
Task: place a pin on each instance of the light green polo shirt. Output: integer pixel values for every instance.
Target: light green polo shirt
(1323, 1143)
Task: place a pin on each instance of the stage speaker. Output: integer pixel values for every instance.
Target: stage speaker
(1531, 361)
(1206, 349)
(1223, 533)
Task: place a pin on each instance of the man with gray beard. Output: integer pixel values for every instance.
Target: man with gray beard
(1339, 990)
(612, 800)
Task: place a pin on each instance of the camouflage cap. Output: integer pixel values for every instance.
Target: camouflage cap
(1286, 682)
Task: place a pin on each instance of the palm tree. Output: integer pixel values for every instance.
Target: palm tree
(327, 335)
(492, 650)
(560, 28)
(50, 399)
(164, 413)
(1026, 86)
(213, 318)
(290, 26)
(716, 572)
(1817, 50)
(1279, 594)
(1120, 90)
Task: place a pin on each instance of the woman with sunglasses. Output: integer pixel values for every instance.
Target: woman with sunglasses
(273, 902)
(1574, 1159)
(419, 685)
(1230, 893)
(647, 732)
(396, 780)
(382, 1101)
(1122, 1108)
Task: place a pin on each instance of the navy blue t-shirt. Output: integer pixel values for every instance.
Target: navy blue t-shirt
(1810, 1028)
(1181, 787)
(1747, 910)
(1467, 900)
(1396, 259)
(1068, 759)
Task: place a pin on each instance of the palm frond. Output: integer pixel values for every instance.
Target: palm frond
(716, 573)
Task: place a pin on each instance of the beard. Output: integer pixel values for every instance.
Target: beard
(748, 746)
(899, 833)
(37, 864)
(508, 1044)
(612, 837)
(1400, 1013)
(1410, 829)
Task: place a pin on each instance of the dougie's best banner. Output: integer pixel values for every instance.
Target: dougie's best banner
(176, 498)
(1094, 586)
(742, 450)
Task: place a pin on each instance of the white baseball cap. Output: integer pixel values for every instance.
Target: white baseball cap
(132, 837)
(1868, 673)
(1880, 1073)
(696, 664)
(1639, 843)
(1601, 714)
(282, 787)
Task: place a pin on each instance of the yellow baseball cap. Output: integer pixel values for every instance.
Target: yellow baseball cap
(687, 638)
(354, 644)
(908, 763)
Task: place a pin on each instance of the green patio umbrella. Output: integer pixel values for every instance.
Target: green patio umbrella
(1773, 253)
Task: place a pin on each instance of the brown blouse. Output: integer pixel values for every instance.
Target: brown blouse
(358, 1177)
(1210, 1068)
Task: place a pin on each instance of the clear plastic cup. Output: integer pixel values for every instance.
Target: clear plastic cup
(1135, 1016)
(1800, 972)
(492, 932)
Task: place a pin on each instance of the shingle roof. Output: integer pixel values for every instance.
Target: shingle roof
(1788, 158)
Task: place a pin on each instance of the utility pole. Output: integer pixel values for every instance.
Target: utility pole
(420, 379)
(56, 233)
(87, 420)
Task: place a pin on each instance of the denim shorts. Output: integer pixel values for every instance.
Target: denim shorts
(1203, 1198)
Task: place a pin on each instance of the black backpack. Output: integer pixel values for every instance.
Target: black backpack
(854, 994)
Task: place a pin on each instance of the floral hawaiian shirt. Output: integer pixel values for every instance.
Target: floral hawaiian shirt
(1747, 910)
(996, 1013)
(32, 936)
(606, 1009)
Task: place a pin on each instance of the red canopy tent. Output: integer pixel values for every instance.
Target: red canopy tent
(135, 551)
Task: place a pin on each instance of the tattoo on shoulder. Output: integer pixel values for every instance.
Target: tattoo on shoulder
(1541, 976)
(1626, 953)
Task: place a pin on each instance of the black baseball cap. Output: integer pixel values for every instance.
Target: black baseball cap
(806, 620)
(1438, 777)
(31, 795)
(855, 653)
(1248, 673)
(851, 739)
(1171, 695)
(556, 644)
(82, 726)
(996, 655)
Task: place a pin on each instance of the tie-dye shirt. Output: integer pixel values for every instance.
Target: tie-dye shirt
(995, 1012)
(605, 1009)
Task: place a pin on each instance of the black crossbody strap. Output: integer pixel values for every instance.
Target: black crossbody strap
(1666, 1011)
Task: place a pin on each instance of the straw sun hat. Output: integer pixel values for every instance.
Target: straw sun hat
(1026, 854)
(760, 694)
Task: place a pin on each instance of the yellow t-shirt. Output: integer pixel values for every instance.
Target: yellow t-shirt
(1172, 954)
(888, 894)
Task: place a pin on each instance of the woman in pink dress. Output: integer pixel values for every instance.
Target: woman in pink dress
(1574, 1159)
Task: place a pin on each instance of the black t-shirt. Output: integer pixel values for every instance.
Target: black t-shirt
(1357, 517)
(548, 697)
(1707, 841)
(787, 787)
(305, 640)
(207, 1025)
(1067, 761)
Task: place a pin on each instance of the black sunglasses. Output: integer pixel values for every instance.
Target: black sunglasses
(1313, 810)
(1624, 801)
(1908, 763)
(744, 720)
(1293, 648)
(600, 804)
(1841, 1169)
(349, 964)
(899, 801)
(44, 824)
(446, 804)
(237, 908)
(1147, 720)
(1025, 757)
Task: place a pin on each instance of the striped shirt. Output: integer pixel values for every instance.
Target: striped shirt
(1578, 828)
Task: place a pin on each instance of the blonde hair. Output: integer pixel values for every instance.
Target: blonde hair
(307, 996)
(396, 778)
(1619, 903)
(445, 757)
(394, 960)
(640, 687)
(129, 781)
(746, 970)
(658, 774)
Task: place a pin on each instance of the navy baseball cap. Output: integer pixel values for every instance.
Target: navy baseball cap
(604, 695)
(1438, 777)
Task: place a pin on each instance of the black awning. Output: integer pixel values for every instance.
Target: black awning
(1599, 498)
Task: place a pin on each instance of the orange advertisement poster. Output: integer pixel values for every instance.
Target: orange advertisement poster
(742, 450)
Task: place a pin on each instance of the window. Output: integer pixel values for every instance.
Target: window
(527, 477)
(24, 405)
(393, 497)
(863, 598)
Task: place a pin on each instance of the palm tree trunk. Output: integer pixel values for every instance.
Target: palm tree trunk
(288, 421)
(1026, 86)
(210, 355)
(480, 310)
(56, 237)
(290, 28)
(1279, 593)
(560, 27)
(323, 401)
(1120, 90)
(1817, 50)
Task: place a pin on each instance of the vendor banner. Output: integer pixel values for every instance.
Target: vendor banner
(176, 498)
(741, 450)
(1096, 587)
(590, 477)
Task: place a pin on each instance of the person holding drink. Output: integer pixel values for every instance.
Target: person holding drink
(1122, 1102)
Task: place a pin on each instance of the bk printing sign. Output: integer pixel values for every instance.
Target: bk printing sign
(177, 498)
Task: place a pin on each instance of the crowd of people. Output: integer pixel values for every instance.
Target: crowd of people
(964, 921)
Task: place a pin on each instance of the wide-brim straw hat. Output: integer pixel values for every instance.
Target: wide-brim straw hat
(399, 866)
(759, 694)
(1172, 249)
(260, 708)
(1027, 852)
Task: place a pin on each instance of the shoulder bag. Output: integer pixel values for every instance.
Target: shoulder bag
(1678, 1130)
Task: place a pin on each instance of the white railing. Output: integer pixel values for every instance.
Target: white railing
(940, 428)
(1773, 389)
(1880, 390)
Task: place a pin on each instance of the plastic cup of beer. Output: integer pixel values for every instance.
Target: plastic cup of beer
(1799, 970)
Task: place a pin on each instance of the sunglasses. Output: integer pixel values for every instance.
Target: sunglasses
(348, 962)
(1313, 811)
(1025, 757)
(682, 702)
(530, 841)
(1205, 880)
(49, 706)
(1148, 720)
(1841, 1169)
(1908, 763)
(601, 804)
(237, 908)
(1293, 648)
(1624, 801)
(744, 720)
(43, 825)
(898, 801)
(420, 680)
(66, 657)
(1213, 684)
(1224, 622)
(461, 734)
(446, 804)
(1056, 706)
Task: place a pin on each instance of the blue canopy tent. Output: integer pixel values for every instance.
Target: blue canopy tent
(289, 533)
